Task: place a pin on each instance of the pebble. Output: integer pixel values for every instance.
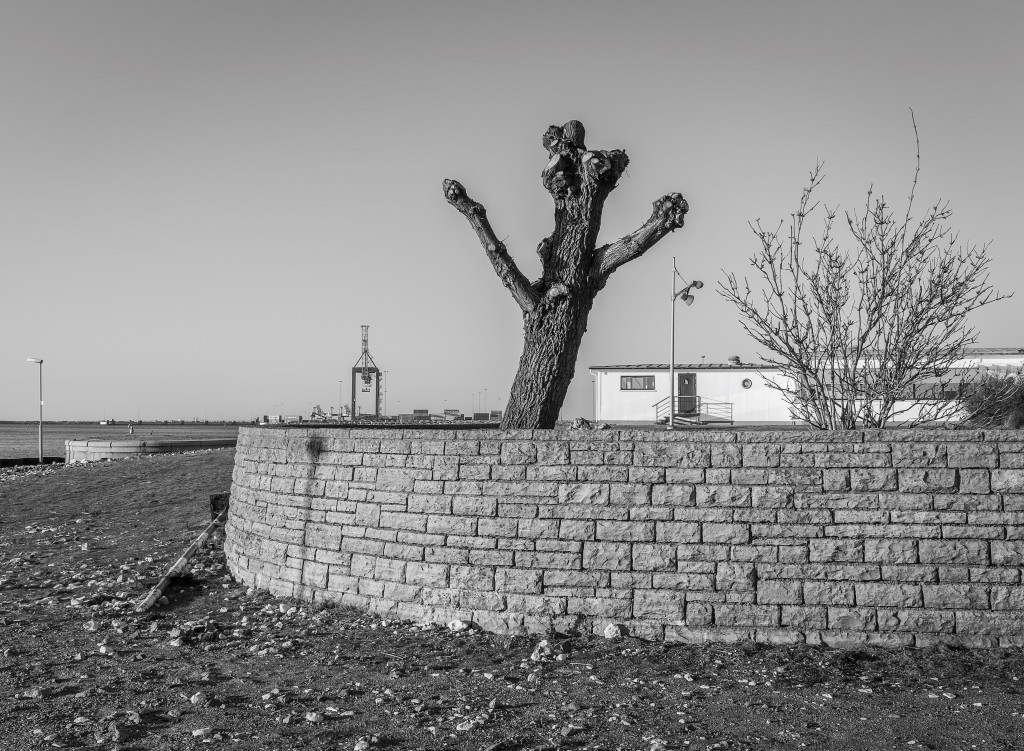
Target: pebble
(314, 717)
(542, 651)
(202, 732)
(614, 631)
(457, 626)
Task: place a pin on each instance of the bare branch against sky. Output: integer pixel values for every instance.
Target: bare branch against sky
(201, 203)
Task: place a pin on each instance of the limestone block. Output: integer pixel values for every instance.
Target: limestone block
(552, 452)
(975, 455)
(867, 480)
(462, 448)
(852, 619)
(541, 473)
(676, 494)
(659, 604)
(729, 614)
(592, 493)
(954, 551)
(927, 480)
(630, 494)
(735, 577)
(518, 452)
(403, 551)
(654, 557)
(533, 559)
(761, 455)
(684, 455)
(919, 455)
(1007, 553)
(672, 531)
(604, 607)
(843, 550)
(779, 592)
(722, 496)
(1007, 598)
(828, 593)
(736, 534)
(878, 594)
(607, 555)
(727, 455)
(949, 596)
(835, 480)
(625, 530)
(1008, 480)
(602, 473)
(890, 550)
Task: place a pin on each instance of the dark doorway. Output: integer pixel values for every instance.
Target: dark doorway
(687, 393)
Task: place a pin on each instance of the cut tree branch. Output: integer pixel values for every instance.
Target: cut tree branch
(669, 212)
(502, 262)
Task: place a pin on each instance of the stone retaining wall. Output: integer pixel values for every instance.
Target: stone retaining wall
(98, 450)
(905, 537)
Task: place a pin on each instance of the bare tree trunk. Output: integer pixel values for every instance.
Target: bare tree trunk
(556, 306)
(551, 344)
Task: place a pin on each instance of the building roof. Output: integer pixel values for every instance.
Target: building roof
(689, 366)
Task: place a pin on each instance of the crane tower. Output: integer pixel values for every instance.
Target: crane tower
(366, 373)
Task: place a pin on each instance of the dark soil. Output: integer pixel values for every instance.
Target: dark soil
(79, 545)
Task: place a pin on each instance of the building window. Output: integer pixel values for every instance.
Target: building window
(636, 383)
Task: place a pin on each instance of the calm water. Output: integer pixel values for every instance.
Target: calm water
(22, 440)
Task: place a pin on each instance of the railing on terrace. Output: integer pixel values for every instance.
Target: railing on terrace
(693, 410)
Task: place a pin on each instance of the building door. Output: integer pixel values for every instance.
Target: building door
(687, 393)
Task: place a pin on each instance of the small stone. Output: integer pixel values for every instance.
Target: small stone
(199, 698)
(457, 626)
(202, 732)
(542, 651)
(614, 631)
(37, 693)
(314, 717)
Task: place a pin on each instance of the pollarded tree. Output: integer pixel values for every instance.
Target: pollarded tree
(556, 306)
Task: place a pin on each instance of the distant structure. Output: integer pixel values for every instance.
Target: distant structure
(366, 372)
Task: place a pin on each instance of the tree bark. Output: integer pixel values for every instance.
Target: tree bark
(556, 306)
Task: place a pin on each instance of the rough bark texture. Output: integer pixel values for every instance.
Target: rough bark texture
(556, 306)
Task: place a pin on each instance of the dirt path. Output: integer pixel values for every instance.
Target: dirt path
(224, 666)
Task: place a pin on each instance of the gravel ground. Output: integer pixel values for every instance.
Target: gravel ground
(222, 665)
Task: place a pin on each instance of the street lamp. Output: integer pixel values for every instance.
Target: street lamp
(40, 363)
(684, 293)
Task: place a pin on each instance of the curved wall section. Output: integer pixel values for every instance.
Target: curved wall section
(897, 538)
(97, 450)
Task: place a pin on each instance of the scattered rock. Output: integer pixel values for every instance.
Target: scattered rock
(542, 651)
(457, 626)
(614, 631)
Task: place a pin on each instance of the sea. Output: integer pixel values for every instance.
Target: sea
(21, 440)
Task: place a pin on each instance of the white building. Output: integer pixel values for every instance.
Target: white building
(733, 392)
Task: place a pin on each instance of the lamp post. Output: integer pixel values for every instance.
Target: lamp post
(688, 300)
(40, 363)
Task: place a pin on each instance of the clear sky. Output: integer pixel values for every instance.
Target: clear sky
(200, 203)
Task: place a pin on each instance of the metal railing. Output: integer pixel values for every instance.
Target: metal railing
(693, 410)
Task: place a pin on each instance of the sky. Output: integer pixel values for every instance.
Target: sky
(201, 203)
